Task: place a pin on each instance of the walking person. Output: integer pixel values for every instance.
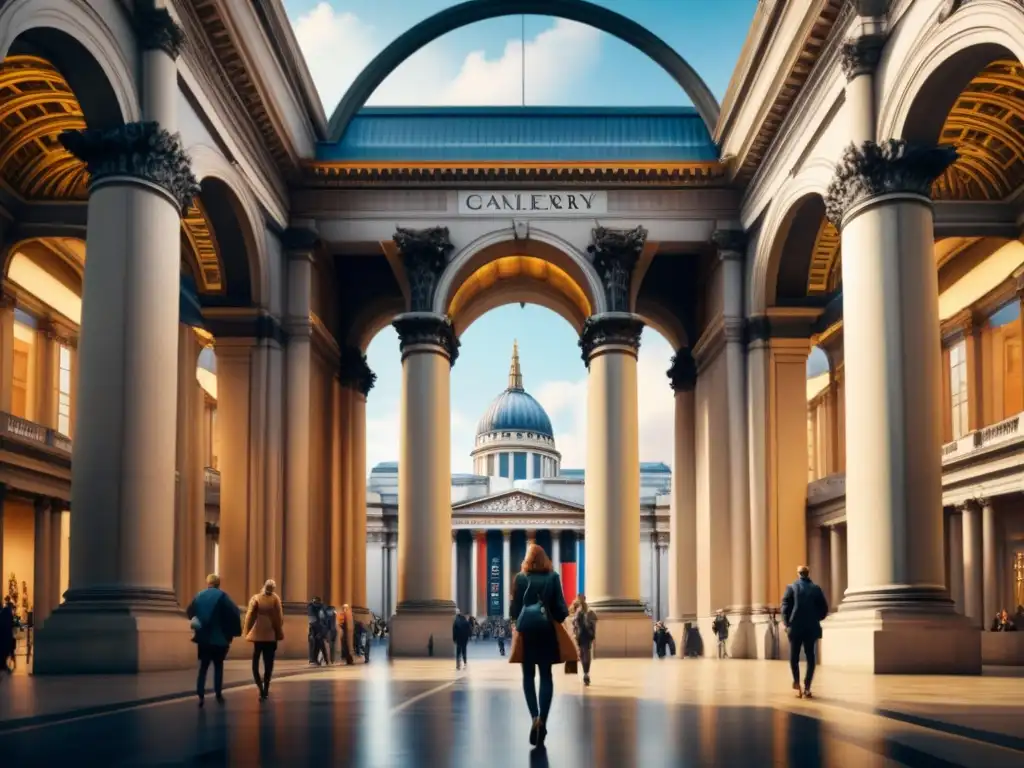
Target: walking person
(316, 639)
(330, 629)
(215, 623)
(538, 609)
(460, 636)
(8, 645)
(584, 629)
(264, 628)
(347, 632)
(720, 628)
(803, 608)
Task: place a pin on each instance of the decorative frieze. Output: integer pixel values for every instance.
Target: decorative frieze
(892, 167)
(425, 255)
(158, 31)
(615, 253)
(617, 328)
(144, 151)
(415, 328)
(354, 371)
(683, 373)
(860, 55)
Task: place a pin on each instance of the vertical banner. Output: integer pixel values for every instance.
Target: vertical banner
(581, 566)
(495, 567)
(569, 582)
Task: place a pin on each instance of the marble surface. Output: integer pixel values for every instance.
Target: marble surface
(637, 713)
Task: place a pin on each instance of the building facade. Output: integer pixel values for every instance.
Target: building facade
(169, 181)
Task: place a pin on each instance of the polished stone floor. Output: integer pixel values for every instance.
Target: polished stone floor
(646, 713)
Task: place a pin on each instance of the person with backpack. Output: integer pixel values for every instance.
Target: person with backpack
(216, 621)
(584, 629)
(264, 628)
(538, 609)
(803, 608)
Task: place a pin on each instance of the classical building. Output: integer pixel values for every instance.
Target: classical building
(170, 182)
(518, 494)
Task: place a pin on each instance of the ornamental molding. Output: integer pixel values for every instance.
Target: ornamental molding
(493, 523)
(892, 167)
(156, 30)
(860, 55)
(615, 253)
(425, 255)
(355, 372)
(610, 328)
(516, 503)
(682, 374)
(143, 151)
(415, 328)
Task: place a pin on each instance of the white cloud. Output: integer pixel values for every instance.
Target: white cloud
(338, 45)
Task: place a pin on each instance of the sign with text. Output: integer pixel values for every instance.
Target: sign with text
(530, 203)
(494, 568)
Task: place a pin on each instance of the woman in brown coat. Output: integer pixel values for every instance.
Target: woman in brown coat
(264, 628)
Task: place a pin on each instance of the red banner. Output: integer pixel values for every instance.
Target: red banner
(569, 582)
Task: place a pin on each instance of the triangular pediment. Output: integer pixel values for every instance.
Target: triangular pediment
(516, 502)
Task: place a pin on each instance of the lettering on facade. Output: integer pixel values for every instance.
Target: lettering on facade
(556, 203)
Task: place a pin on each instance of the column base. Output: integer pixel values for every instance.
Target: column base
(624, 630)
(901, 630)
(422, 629)
(114, 631)
(296, 633)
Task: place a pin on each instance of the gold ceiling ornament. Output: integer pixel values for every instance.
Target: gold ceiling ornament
(196, 226)
(36, 105)
(1018, 578)
(824, 273)
(986, 125)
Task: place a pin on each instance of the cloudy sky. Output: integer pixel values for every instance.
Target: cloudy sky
(565, 64)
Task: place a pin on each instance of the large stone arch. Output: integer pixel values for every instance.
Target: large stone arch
(473, 11)
(73, 36)
(973, 35)
(213, 170)
(812, 182)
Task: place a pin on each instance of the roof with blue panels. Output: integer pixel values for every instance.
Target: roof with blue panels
(523, 134)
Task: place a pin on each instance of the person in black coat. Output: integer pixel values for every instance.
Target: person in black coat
(7, 624)
(803, 608)
(461, 630)
(537, 602)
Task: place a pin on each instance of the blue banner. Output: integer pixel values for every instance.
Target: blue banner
(495, 566)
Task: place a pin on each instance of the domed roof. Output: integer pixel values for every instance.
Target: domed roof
(515, 410)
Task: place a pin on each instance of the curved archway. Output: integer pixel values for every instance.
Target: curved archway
(473, 11)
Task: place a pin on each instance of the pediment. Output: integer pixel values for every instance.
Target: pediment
(516, 502)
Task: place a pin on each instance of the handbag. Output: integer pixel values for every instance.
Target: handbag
(534, 617)
(571, 667)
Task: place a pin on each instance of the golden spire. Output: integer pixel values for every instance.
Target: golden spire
(515, 374)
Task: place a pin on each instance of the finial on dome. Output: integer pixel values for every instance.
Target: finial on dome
(515, 373)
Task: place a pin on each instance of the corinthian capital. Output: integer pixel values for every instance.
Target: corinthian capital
(143, 151)
(425, 255)
(620, 329)
(616, 252)
(157, 30)
(426, 328)
(860, 55)
(355, 371)
(683, 373)
(892, 167)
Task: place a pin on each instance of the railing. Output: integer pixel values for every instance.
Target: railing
(1005, 431)
(30, 432)
(211, 482)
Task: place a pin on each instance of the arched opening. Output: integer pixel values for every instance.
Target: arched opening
(805, 264)
(473, 11)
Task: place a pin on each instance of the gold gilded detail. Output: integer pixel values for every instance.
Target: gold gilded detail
(824, 273)
(203, 242)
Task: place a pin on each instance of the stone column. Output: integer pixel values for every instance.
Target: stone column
(357, 376)
(121, 613)
(989, 562)
(879, 199)
(682, 526)
(48, 357)
(972, 558)
(556, 551)
(7, 306)
(506, 564)
(455, 568)
(473, 573)
(956, 560)
(340, 466)
(55, 560)
(758, 343)
(41, 601)
(837, 570)
(197, 488)
(3, 498)
(188, 519)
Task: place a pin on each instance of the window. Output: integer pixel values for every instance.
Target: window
(1002, 359)
(64, 392)
(23, 382)
(519, 465)
(503, 465)
(958, 388)
(490, 465)
(536, 465)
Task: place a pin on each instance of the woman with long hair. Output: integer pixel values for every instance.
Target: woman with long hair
(537, 606)
(584, 629)
(264, 628)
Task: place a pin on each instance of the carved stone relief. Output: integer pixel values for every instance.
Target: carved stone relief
(425, 255)
(616, 252)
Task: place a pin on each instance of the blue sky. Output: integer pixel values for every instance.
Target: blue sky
(566, 64)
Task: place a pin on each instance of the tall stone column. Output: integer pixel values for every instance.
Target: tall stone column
(759, 442)
(956, 560)
(972, 558)
(556, 551)
(300, 245)
(682, 525)
(340, 497)
(120, 612)
(506, 565)
(896, 600)
(42, 602)
(55, 547)
(359, 379)
(455, 567)
(474, 572)
(837, 571)
(188, 520)
(423, 617)
(197, 488)
(989, 561)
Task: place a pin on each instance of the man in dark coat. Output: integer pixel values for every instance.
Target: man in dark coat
(461, 630)
(803, 608)
(7, 624)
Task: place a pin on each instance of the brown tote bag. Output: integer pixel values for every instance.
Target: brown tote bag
(567, 653)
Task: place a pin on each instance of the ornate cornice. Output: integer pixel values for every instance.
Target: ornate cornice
(860, 55)
(354, 371)
(141, 150)
(425, 255)
(157, 30)
(610, 328)
(415, 328)
(682, 375)
(730, 242)
(892, 167)
(615, 253)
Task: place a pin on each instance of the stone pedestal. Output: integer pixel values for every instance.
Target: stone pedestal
(897, 616)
